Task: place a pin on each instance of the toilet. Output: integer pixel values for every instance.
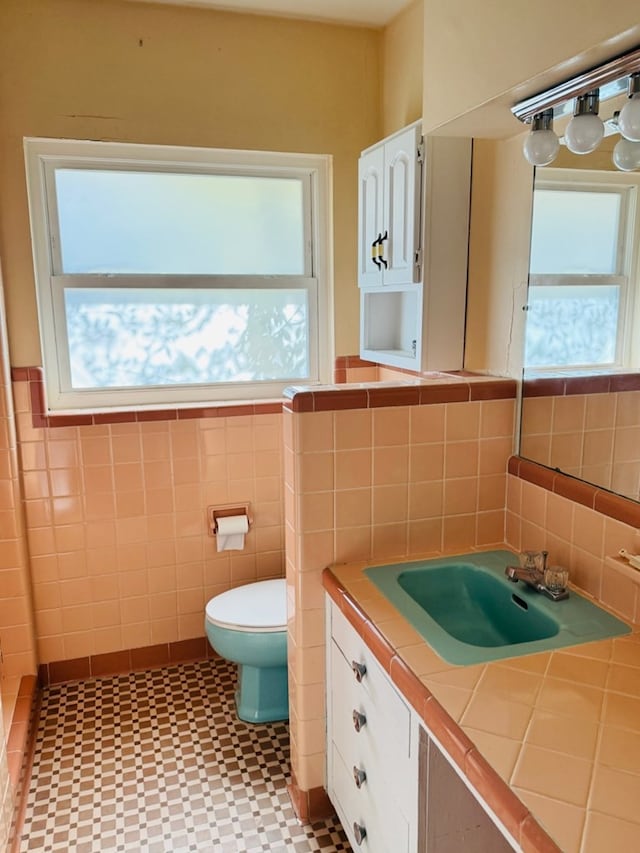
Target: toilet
(248, 626)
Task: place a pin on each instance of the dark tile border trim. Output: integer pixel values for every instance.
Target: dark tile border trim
(601, 500)
(482, 777)
(128, 660)
(441, 388)
(420, 389)
(564, 385)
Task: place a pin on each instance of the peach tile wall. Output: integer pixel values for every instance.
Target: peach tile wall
(16, 628)
(595, 437)
(17, 641)
(577, 537)
(116, 524)
(378, 484)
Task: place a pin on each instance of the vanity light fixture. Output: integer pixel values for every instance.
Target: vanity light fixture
(582, 95)
(629, 118)
(626, 155)
(586, 129)
(541, 146)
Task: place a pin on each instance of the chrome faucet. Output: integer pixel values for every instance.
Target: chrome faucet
(533, 574)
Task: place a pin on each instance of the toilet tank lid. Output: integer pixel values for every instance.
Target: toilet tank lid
(255, 606)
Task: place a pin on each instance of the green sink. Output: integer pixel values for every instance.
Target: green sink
(469, 612)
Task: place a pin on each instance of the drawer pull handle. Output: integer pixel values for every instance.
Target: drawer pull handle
(360, 832)
(359, 720)
(359, 670)
(359, 777)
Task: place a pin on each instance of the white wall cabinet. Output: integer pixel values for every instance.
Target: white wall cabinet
(412, 251)
(389, 209)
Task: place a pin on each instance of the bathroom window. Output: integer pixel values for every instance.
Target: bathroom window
(581, 291)
(176, 275)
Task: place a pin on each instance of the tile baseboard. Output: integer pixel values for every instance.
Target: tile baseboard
(127, 660)
(309, 806)
(20, 751)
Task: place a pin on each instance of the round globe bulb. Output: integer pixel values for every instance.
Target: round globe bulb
(626, 155)
(541, 147)
(584, 133)
(629, 119)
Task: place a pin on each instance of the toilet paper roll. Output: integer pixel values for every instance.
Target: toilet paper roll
(231, 530)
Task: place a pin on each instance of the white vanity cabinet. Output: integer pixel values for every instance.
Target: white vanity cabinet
(393, 787)
(413, 208)
(372, 746)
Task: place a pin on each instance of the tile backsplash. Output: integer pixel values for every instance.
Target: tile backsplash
(595, 437)
(577, 537)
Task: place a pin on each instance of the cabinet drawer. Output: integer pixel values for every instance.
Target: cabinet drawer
(387, 830)
(375, 682)
(381, 747)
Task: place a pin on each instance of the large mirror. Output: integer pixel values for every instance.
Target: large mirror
(581, 388)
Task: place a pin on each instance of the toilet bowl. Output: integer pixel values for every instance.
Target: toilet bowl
(248, 626)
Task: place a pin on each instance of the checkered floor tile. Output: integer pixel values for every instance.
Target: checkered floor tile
(157, 761)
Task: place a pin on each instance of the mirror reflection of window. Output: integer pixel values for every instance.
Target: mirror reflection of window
(581, 261)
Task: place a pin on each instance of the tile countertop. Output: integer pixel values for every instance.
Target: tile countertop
(551, 740)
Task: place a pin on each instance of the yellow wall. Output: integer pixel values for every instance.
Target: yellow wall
(476, 54)
(501, 195)
(183, 76)
(402, 49)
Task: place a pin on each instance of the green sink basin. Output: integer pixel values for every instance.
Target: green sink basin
(469, 612)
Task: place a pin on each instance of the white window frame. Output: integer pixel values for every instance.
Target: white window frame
(43, 156)
(626, 277)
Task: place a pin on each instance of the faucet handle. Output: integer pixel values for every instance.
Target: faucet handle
(556, 578)
(529, 560)
(534, 561)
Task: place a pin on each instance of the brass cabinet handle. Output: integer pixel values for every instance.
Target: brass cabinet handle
(382, 259)
(376, 250)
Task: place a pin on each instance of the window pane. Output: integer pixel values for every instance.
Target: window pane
(575, 232)
(571, 326)
(143, 222)
(136, 337)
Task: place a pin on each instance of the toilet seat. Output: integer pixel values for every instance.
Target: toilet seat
(256, 608)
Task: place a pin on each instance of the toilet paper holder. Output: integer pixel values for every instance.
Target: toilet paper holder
(224, 511)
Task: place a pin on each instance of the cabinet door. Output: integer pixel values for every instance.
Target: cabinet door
(402, 184)
(370, 214)
(450, 817)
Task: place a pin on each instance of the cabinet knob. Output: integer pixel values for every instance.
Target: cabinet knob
(360, 832)
(359, 720)
(359, 670)
(359, 776)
